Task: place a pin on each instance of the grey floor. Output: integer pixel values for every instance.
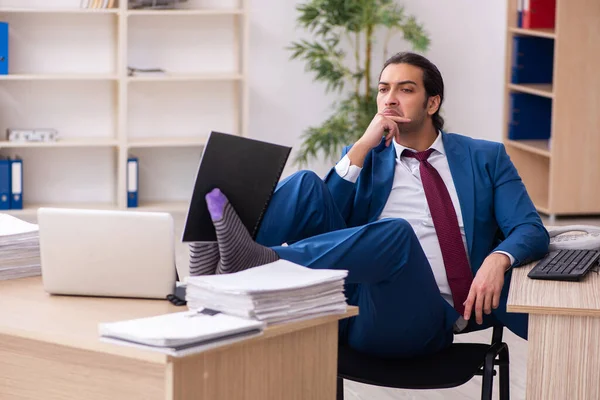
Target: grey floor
(472, 389)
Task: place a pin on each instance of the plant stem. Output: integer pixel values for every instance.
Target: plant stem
(369, 44)
(357, 60)
(386, 44)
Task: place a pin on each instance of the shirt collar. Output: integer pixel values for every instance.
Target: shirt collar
(437, 145)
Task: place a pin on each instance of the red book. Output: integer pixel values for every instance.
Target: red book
(540, 14)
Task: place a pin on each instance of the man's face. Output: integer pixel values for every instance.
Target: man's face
(401, 92)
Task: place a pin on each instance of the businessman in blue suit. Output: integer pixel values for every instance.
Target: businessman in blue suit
(429, 224)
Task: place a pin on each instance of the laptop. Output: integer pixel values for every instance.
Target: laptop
(107, 253)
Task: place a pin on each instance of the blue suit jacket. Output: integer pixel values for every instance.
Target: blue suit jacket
(497, 211)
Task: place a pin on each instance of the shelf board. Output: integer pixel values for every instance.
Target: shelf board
(58, 77)
(544, 33)
(185, 77)
(167, 142)
(31, 209)
(538, 89)
(171, 206)
(233, 11)
(60, 10)
(539, 147)
(100, 142)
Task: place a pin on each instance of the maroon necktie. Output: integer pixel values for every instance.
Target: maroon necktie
(447, 230)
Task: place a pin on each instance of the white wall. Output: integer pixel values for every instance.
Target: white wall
(467, 45)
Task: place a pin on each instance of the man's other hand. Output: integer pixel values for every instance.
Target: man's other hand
(487, 286)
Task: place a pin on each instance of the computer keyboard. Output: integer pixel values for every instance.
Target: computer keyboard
(565, 265)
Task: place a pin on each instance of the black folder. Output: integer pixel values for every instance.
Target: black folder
(246, 170)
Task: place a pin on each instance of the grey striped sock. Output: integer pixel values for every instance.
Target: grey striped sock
(237, 249)
(203, 258)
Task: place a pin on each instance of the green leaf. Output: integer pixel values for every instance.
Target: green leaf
(350, 119)
(415, 34)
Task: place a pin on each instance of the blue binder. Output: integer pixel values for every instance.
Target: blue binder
(3, 48)
(5, 186)
(132, 181)
(16, 194)
(532, 60)
(520, 13)
(530, 117)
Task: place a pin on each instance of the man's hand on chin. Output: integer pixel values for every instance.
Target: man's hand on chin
(487, 286)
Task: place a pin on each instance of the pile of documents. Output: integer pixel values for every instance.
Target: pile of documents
(272, 293)
(19, 248)
(224, 309)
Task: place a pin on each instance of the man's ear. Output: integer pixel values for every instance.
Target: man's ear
(433, 104)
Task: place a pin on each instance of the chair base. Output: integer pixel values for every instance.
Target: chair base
(449, 368)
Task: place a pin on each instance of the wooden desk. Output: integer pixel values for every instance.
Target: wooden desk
(564, 335)
(50, 349)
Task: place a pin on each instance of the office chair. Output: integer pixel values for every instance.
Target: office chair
(449, 368)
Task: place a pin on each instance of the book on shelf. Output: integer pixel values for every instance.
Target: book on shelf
(16, 184)
(97, 4)
(132, 181)
(532, 60)
(4, 50)
(11, 183)
(520, 5)
(539, 14)
(530, 117)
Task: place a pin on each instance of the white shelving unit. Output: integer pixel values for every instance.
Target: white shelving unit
(68, 70)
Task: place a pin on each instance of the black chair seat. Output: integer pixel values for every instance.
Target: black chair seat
(448, 368)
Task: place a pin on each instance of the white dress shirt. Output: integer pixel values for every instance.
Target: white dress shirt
(407, 200)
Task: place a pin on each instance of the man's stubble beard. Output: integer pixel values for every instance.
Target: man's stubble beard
(412, 127)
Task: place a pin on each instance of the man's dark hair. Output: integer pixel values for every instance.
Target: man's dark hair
(432, 79)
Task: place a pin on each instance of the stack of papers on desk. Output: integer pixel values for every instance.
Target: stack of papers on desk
(274, 293)
(182, 333)
(19, 248)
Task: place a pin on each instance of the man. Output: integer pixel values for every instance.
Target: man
(427, 223)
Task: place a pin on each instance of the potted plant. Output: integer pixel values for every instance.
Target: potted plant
(338, 25)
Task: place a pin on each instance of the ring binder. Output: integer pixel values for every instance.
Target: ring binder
(16, 178)
(247, 171)
(132, 181)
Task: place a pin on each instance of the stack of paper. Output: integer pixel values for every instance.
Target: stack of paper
(277, 292)
(19, 248)
(180, 334)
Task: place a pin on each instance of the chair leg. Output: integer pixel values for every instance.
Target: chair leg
(340, 389)
(488, 377)
(503, 359)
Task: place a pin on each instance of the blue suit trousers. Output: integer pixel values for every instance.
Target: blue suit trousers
(401, 311)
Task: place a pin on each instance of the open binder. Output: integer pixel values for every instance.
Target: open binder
(245, 170)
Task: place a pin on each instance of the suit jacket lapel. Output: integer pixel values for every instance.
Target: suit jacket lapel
(384, 166)
(459, 160)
